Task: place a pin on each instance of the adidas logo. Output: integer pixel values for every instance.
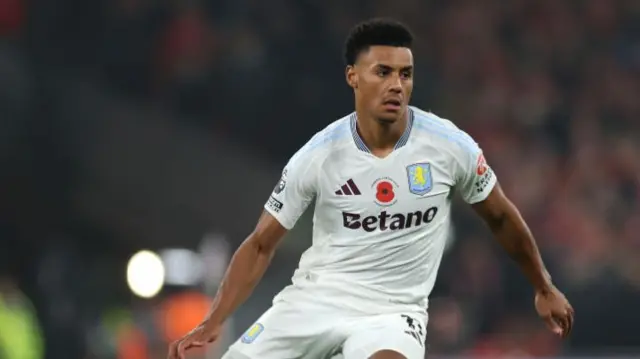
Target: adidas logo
(348, 189)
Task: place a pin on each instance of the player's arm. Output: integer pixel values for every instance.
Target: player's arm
(511, 231)
(285, 205)
(479, 187)
(246, 268)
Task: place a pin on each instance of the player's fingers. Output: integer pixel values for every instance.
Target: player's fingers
(553, 325)
(182, 348)
(173, 350)
(571, 320)
(195, 344)
(563, 321)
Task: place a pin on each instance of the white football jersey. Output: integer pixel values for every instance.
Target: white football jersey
(380, 224)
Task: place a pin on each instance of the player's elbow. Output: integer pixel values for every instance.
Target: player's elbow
(497, 222)
(496, 210)
(266, 235)
(261, 243)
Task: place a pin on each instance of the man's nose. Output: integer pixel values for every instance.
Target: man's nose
(396, 84)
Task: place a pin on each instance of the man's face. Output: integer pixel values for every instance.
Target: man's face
(382, 78)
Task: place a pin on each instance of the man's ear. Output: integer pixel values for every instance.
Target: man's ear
(351, 76)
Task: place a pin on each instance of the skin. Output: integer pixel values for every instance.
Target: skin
(379, 74)
(387, 354)
(382, 73)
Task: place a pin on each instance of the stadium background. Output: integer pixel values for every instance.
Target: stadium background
(164, 125)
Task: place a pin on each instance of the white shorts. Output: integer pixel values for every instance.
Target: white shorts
(312, 331)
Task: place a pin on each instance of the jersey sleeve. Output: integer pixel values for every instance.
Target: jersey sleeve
(295, 190)
(475, 178)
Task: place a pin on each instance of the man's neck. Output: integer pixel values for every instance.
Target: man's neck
(379, 136)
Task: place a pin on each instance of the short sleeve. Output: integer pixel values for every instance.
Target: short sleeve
(295, 190)
(476, 179)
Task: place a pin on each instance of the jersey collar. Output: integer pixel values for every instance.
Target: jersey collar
(401, 141)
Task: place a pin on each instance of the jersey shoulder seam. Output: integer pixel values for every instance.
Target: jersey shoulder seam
(437, 127)
(327, 139)
(317, 149)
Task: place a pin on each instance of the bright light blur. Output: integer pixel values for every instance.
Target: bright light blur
(145, 274)
(182, 267)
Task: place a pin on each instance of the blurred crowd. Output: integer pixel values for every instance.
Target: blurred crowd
(550, 89)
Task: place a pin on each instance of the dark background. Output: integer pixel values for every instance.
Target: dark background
(142, 124)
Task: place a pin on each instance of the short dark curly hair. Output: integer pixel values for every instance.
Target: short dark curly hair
(373, 32)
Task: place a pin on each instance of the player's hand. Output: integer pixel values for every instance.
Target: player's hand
(200, 336)
(554, 308)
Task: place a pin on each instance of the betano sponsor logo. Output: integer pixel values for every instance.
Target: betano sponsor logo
(387, 221)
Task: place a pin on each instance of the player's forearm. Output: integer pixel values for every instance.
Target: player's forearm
(515, 237)
(245, 270)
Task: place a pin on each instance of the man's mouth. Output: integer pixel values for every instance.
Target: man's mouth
(392, 105)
